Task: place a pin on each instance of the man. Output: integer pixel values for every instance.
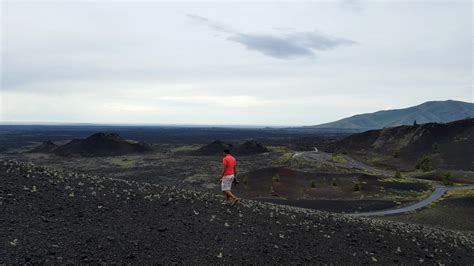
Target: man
(228, 176)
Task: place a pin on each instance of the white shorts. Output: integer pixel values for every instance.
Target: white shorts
(227, 181)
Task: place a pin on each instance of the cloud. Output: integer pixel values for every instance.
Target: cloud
(352, 5)
(285, 45)
(272, 46)
(214, 25)
(129, 108)
(296, 44)
(235, 101)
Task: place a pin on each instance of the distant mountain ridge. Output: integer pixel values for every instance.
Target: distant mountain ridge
(217, 147)
(428, 112)
(99, 144)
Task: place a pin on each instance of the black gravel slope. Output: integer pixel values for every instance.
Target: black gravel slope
(51, 216)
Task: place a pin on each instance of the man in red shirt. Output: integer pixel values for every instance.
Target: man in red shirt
(228, 175)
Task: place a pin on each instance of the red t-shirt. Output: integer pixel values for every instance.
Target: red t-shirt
(229, 163)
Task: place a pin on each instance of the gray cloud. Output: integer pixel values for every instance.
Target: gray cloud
(285, 45)
(214, 25)
(272, 46)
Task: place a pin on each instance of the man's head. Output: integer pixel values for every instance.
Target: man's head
(226, 152)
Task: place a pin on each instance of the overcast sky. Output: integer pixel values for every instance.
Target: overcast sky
(246, 63)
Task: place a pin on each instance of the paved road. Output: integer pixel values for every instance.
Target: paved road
(437, 193)
(352, 163)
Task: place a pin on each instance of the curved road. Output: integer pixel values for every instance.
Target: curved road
(437, 193)
(352, 163)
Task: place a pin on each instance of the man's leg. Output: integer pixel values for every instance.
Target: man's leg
(230, 195)
(235, 200)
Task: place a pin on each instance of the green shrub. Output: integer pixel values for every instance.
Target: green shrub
(447, 179)
(313, 184)
(396, 154)
(286, 158)
(333, 182)
(357, 186)
(276, 178)
(424, 164)
(398, 174)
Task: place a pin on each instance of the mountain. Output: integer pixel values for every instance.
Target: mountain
(249, 147)
(447, 146)
(45, 147)
(213, 148)
(99, 144)
(435, 111)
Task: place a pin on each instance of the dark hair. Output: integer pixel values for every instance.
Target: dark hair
(227, 151)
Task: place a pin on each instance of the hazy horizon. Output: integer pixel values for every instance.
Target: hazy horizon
(59, 123)
(218, 64)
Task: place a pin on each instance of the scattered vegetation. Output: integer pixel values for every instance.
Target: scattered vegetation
(313, 183)
(286, 158)
(424, 194)
(424, 164)
(447, 179)
(357, 186)
(131, 141)
(279, 149)
(338, 158)
(398, 175)
(276, 178)
(466, 192)
(334, 182)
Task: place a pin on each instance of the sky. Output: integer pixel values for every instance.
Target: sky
(229, 63)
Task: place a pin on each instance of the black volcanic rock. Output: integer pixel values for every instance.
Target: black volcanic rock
(45, 147)
(247, 148)
(214, 148)
(251, 147)
(448, 145)
(99, 144)
(55, 217)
